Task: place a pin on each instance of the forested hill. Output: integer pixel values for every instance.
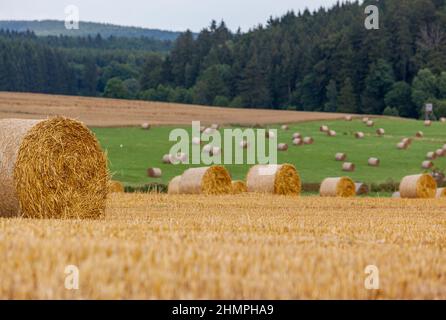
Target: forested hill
(56, 28)
(322, 61)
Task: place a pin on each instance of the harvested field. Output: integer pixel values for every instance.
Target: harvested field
(231, 247)
(99, 112)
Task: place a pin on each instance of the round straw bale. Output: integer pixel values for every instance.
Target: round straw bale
(441, 193)
(418, 186)
(396, 195)
(370, 123)
(209, 131)
(196, 141)
(427, 123)
(348, 167)
(338, 187)
(402, 146)
(145, 126)
(359, 135)
(285, 127)
(331, 133)
(182, 157)
(407, 141)
(419, 134)
(239, 187)
(297, 135)
(244, 144)
(427, 164)
(340, 156)
(365, 119)
(374, 162)
(115, 187)
(167, 159)
(215, 151)
(324, 128)
(51, 168)
(440, 152)
(361, 189)
(380, 132)
(308, 140)
(277, 179)
(154, 172)
(282, 147)
(206, 180)
(443, 119)
(431, 155)
(348, 118)
(174, 185)
(270, 134)
(298, 142)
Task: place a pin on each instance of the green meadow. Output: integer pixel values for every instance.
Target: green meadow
(132, 150)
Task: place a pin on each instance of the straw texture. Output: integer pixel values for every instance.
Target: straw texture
(441, 193)
(239, 187)
(418, 186)
(277, 179)
(338, 187)
(174, 185)
(207, 180)
(51, 169)
(115, 187)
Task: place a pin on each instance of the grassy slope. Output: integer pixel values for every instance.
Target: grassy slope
(142, 149)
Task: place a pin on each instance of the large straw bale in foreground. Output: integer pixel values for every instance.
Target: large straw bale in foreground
(418, 186)
(277, 179)
(338, 187)
(239, 187)
(207, 180)
(51, 168)
(174, 185)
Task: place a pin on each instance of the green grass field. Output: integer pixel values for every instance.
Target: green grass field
(132, 150)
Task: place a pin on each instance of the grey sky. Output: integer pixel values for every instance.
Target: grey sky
(163, 14)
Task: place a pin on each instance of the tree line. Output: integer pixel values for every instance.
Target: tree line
(324, 60)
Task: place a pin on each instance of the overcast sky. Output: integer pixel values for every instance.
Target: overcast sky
(176, 15)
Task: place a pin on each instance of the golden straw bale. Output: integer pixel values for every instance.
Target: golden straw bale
(285, 127)
(297, 135)
(380, 132)
(298, 142)
(338, 187)
(340, 156)
(277, 179)
(427, 123)
(331, 133)
(418, 186)
(145, 126)
(427, 164)
(348, 118)
(359, 135)
(239, 187)
(154, 173)
(324, 128)
(51, 168)
(419, 134)
(374, 162)
(206, 180)
(407, 141)
(308, 140)
(402, 146)
(443, 119)
(174, 185)
(348, 167)
(440, 152)
(441, 193)
(370, 123)
(270, 134)
(361, 189)
(115, 187)
(282, 147)
(431, 155)
(365, 119)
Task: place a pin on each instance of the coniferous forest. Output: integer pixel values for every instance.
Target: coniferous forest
(315, 61)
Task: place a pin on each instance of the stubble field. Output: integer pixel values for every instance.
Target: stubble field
(231, 247)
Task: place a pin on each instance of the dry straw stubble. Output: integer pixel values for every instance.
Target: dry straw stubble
(51, 168)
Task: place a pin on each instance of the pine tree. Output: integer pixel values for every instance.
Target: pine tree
(347, 102)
